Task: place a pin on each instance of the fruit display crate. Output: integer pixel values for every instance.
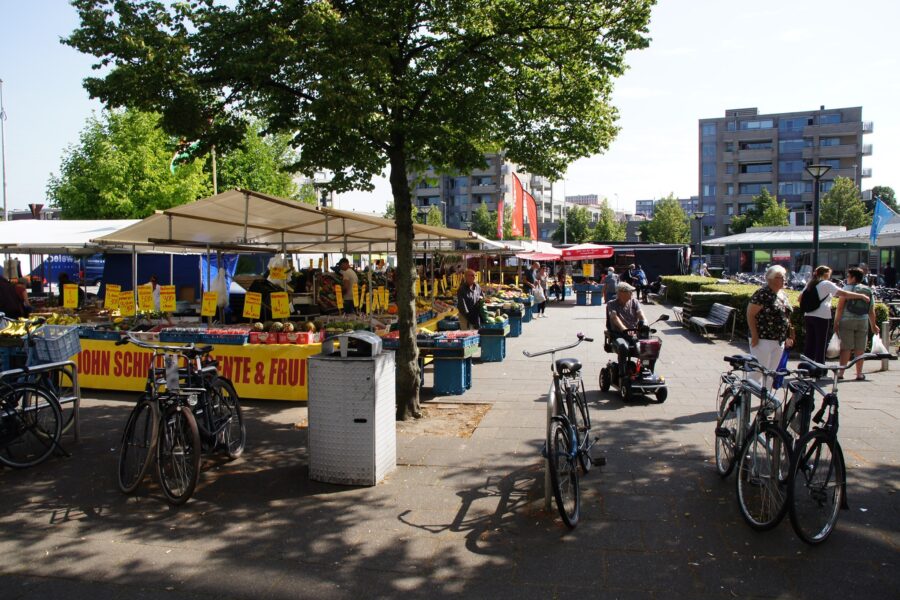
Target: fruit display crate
(94, 333)
(515, 326)
(493, 348)
(56, 343)
(459, 342)
(452, 376)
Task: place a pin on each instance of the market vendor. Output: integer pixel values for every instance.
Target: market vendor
(469, 300)
(348, 279)
(10, 302)
(154, 290)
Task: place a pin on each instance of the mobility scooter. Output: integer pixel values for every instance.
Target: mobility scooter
(637, 373)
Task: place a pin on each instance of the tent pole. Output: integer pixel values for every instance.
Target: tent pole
(369, 290)
(134, 265)
(246, 214)
(208, 278)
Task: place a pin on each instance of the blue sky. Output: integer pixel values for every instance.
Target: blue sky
(706, 56)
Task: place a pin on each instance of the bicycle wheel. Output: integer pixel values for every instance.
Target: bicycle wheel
(762, 477)
(226, 407)
(178, 455)
(30, 426)
(817, 486)
(577, 411)
(564, 474)
(138, 444)
(61, 386)
(726, 433)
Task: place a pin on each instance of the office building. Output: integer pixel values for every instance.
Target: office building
(646, 208)
(584, 200)
(745, 152)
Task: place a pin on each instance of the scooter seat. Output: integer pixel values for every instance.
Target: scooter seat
(568, 366)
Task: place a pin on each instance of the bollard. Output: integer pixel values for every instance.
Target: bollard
(886, 339)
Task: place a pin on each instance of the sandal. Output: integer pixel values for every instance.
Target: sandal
(860, 377)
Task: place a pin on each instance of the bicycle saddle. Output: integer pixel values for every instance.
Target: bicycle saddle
(568, 366)
(198, 351)
(739, 360)
(813, 371)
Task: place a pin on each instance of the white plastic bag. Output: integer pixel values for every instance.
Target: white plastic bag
(834, 347)
(878, 345)
(539, 295)
(220, 286)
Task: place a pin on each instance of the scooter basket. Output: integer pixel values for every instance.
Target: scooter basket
(649, 349)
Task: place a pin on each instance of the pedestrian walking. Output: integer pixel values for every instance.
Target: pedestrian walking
(540, 292)
(609, 284)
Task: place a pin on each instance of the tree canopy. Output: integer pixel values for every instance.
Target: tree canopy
(608, 228)
(575, 228)
(120, 169)
(885, 194)
(382, 84)
(843, 205)
(484, 222)
(669, 224)
(765, 212)
(434, 216)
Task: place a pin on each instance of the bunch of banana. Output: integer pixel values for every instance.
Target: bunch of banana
(14, 329)
(62, 319)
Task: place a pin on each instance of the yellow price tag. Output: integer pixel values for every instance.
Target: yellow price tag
(281, 308)
(167, 298)
(355, 295)
(145, 298)
(278, 273)
(517, 281)
(587, 269)
(321, 262)
(252, 305)
(70, 295)
(111, 300)
(310, 263)
(208, 304)
(126, 304)
(382, 298)
(424, 288)
(339, 297)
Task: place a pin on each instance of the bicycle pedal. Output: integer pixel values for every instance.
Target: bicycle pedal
(723, 432)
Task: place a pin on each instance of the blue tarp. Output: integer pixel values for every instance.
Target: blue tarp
(186, 271)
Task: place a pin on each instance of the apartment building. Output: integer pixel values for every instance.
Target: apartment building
(745, 152)
(646, 208)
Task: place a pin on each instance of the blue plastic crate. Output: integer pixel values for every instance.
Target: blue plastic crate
(527, 314)
(179, 337)
(90, 333)
(515, 326)
(467, 367)
(450, 376)
(462, 342)
(581, 298)
(596, 298)
(493, 348)
(218, 338)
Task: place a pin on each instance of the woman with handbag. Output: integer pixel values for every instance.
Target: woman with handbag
(819, 291)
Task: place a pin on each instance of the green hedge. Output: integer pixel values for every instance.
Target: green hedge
(677, 285)
(740, 298)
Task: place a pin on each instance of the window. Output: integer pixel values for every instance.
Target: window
(825, 186)
(729, 146)
(729, 168)
(756, 168)
(708, 148)
(743, 208)
(708, 169)
(830, 141)
(834, 163)
(729, 209)
(754, 188)
(708, 129)
(757, 124)
(729, 189)
(731, 126)
(794, 187)
(709, 209)
(830, 119)
(785, 146)
(761, 145)
(794, 124)
(709, 189)
(791, 166)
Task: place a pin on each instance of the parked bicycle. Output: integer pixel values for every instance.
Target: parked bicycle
(164, 425)
(568, 443)
(817, 487)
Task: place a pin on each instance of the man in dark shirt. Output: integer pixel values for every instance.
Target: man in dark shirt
(468, 301)
(10, 301)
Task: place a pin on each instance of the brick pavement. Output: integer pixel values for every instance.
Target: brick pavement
(462, 517)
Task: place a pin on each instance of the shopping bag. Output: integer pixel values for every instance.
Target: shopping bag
(878, 345)
(834, 347)
(778, 380)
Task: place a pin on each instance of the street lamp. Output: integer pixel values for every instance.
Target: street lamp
(444, 210)
(816, 172)
(698, 216)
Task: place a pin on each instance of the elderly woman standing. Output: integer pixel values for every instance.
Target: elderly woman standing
(769, 320)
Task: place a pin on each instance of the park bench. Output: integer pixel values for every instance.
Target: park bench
(718, 318)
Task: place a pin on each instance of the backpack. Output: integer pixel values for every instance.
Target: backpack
(859, 307)
(809, 299)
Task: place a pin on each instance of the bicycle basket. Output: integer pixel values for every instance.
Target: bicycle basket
(56, 343)
(649, 349)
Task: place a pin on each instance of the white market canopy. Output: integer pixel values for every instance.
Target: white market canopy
(49, 236)
(245, 221)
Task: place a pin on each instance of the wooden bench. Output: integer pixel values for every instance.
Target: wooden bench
(659, 296)
(718, 318)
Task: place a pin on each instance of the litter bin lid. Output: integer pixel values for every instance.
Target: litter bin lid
(353, 344)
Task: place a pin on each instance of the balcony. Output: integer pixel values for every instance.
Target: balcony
(867, 172)
(851, 128)
(427, 192)
(755, 155)
(867, 150)
(868, 127)
(484, 189)
(839, 151)
(754, 177)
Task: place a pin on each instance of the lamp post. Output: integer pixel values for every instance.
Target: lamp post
(698, 216)
(3, 150)
(816, 172)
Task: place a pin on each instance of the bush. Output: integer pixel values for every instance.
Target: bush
(677, 285)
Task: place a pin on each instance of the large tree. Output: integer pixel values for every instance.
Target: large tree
(575, 228)
(484, 222)
(121, 169)
(608, 228)
(383, 84)
(669, 224)
(434, 216)
(885, 194)
(765, 212)
(842, 205)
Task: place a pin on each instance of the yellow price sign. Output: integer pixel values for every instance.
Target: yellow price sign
(587, 269)
(252, 305)
(145, 298)
(281, 308)
(111, 300)
(321, 262)
(339, 297)
(278, 273)
(382, 298)
(208, 304)
(126, 304)
(167, 298)
(354, 293)
(70, 295)
(310, 263)
(517, 281)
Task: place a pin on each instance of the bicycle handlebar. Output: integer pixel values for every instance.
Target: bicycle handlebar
(840, 367)
(129, 338)
(581, 338)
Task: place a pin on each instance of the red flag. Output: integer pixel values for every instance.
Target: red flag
(500, 219)
(518, 207)
(531, 207)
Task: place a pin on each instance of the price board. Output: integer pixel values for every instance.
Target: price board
(167, 298)
(111, 300)
(354, 293)
(145, 298)
(208, 304)
(339, 297)
(70, 295)
(278, 273)
(126, 304)
(587, 269)
(252, 305)
(281, 308)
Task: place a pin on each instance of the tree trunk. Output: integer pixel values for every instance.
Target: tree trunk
(405, 281)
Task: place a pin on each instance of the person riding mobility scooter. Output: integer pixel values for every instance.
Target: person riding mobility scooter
(637, 351)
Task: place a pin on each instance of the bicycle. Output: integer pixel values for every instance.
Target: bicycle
(764, 455)
(568, 441)
(817, 488)
(30, 421)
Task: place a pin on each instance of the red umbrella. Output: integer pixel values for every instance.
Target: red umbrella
(544, 256)
(587, 252)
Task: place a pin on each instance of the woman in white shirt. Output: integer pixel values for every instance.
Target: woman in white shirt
(818, 321)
